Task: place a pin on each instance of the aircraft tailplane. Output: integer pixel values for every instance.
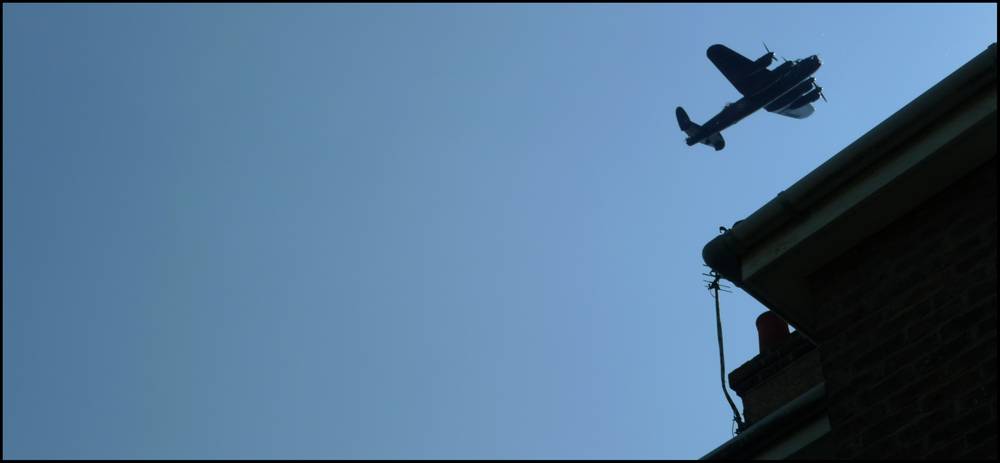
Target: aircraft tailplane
(693, 132)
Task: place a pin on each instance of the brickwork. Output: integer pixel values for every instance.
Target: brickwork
(907, 331)
(776, 377)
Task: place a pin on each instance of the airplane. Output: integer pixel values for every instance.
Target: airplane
(787, 90)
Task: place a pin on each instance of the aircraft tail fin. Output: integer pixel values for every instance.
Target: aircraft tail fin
(683, 120)
(693, 132)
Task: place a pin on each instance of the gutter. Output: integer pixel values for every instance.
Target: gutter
(724, 253)
(773, 427)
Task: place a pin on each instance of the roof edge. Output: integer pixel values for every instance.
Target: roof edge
(774, 426)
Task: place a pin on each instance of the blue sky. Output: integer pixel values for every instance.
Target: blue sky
(401, 231)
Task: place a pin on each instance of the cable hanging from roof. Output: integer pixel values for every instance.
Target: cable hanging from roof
(713, 288)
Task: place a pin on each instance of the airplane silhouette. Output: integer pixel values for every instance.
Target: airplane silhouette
(787, 90)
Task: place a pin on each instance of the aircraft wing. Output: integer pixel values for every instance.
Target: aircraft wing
(739, 70)
(801, 112)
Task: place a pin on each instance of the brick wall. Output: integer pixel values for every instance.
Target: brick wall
(775, 377)
(907, 331)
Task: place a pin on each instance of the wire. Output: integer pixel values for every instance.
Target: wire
(714, 285)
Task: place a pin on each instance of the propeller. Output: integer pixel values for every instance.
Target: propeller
(771, 53)
(820, 90)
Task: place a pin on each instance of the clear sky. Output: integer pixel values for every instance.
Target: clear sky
(401, 231)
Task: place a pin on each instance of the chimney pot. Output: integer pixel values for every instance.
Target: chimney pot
(771, 330)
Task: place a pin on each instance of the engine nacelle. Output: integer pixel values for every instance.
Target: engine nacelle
(790, 95)
(806, 99)
(762, 63)
(782, 68)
